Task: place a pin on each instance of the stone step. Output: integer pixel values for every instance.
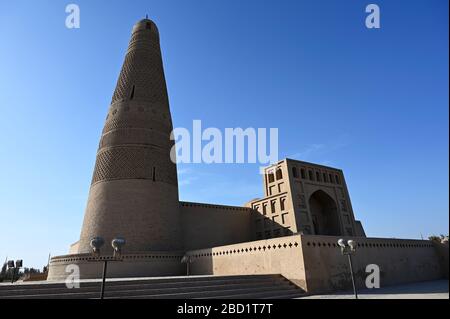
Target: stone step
(254, 286)
(113, 292)
(218, 294)
(288, 295)
(133, 286)
(115, 282)
(272, 294)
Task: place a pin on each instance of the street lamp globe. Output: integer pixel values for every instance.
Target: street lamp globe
(96, 243)
(352, 244)
(342, 243)
(117, 244)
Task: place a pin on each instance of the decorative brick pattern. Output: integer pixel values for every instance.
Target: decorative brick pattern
(133, 163)
(256, 248)
(145, 72)
(136, 136)
(139, 40)
(234, 208)
(144, 122)
(90, 257)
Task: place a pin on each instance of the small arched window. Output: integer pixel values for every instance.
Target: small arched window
(338, 180)
(294, 172)
(272, 207)
(279, 174)
(132, 93)
(282, 204)
(303, 174)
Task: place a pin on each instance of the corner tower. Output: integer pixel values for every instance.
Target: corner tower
(134, 189)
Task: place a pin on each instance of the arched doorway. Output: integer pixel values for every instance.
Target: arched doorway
(324, 214)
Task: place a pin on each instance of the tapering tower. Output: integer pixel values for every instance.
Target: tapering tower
(134, 190)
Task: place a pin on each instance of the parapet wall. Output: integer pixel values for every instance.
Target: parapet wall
(133, 265)
(443, 255)
(399, 261)
(208, 225)
(315, 263)
(272, 256)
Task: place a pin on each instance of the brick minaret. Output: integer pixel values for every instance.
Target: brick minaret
(134, 190)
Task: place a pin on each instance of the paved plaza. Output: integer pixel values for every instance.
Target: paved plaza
(437, 289)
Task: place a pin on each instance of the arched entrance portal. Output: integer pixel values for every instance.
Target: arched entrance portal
(324, 214)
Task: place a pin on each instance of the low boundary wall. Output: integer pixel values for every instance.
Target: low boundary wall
(133, 265)
(315, 263)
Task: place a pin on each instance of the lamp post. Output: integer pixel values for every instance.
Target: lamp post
(96, 243)
(14, 266)
(349, 248)
(187, 260)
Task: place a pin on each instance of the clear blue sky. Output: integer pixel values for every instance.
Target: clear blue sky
(372, 102)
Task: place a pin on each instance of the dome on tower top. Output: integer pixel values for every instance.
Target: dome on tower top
(145, 24)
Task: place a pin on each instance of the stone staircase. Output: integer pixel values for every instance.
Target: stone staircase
(203, 287)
